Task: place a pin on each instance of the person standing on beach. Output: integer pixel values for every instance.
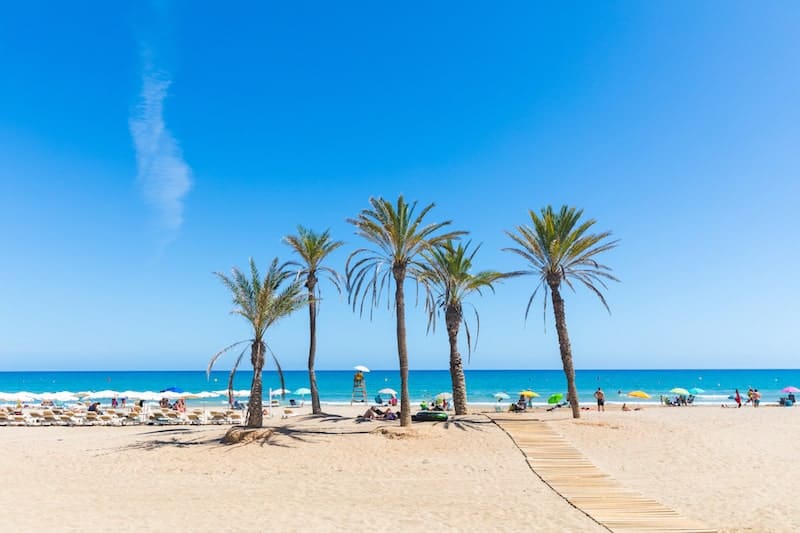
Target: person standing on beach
(601, 399)
(738, 398)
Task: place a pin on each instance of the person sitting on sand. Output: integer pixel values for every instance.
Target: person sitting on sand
(625, 407)
(389, 415)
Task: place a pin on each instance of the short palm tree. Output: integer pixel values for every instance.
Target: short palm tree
(398, 237)
(558, 249)
(313, 248)
(262, 302)
(448, 281)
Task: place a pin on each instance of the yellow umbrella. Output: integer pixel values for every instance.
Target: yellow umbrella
(528, 394)
(638, 394)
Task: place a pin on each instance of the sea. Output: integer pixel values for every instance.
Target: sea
(335, 386)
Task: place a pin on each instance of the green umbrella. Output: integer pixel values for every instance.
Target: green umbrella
(555, 398)
(680, 391)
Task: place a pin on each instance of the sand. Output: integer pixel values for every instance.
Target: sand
(732, 469)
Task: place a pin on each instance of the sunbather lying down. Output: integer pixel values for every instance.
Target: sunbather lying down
(374, 413)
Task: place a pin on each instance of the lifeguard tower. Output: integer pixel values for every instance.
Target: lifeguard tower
(359, 394)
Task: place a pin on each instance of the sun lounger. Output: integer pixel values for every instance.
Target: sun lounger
(217, 417)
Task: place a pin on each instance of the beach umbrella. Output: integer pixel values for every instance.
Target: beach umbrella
(680, 391)
(528, 394)
(242, 393)
(302, 391)
(790, 389)
(444, 396)
(501, 396)
(696, 390)
(279, 392)
(361, 368)
(389, 391)
(103, 394)
(5, 397)
(555, 398)
(23, 396)
(639, 394)
(63, 396)
(207, 394)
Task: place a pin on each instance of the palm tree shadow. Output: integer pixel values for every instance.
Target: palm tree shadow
(468, 423)
(174, 442)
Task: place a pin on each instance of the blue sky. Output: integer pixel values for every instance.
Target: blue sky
(144, 146)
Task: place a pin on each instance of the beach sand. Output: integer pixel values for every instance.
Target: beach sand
(731, 469)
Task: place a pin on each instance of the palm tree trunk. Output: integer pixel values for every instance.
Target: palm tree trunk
(402, 349)
(566, 349)
(453, 321)
(312, 347)
(255, 417)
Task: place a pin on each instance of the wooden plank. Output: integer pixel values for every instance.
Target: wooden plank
(571, 475)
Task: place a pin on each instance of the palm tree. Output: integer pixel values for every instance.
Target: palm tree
(313, 248)
(447, 280)
(398, 237)
(262, 303)
(557, 248)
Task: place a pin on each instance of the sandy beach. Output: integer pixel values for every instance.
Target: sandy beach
(732, 469)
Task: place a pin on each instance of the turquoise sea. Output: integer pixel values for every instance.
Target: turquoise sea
(336, 386)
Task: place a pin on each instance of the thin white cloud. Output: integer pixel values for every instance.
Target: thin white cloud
(163, 175)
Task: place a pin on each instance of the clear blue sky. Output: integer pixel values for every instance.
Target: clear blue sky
(143, 146)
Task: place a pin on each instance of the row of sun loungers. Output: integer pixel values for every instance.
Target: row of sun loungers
(111, 417)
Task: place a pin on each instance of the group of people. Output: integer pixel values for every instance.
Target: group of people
(118, 402)
(178, 405)
(374, 413)
(753, 396)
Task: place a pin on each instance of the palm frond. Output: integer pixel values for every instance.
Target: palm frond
(559, 248)
(220, 353)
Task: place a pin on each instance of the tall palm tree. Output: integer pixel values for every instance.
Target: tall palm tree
(398, 237)
(558, 248)
(262, 302)
(313, 248)
(448, 281)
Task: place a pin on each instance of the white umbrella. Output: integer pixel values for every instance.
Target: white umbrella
(243, 393)
(278, 392)
(6, 397)
(361, 368)
(387, 390)
(63, 396)
(302, 391)
(501, 395)
(444, 396)
(103, 394)
(23, 396)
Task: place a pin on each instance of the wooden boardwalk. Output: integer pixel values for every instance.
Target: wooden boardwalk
(585, 486)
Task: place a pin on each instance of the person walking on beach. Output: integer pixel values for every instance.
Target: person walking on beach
(601, 399)
(738, 398)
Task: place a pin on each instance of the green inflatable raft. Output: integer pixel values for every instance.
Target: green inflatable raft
(429, 416)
